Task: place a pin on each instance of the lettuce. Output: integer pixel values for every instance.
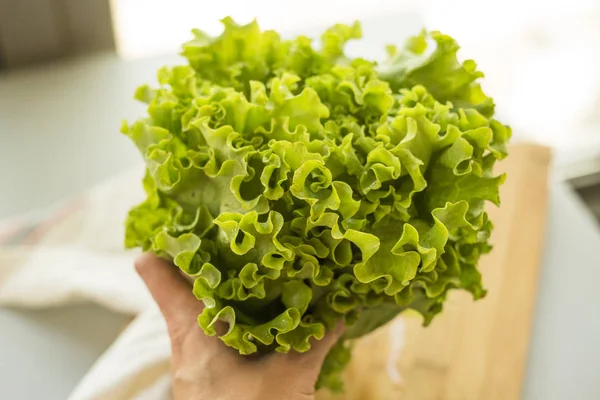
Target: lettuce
(299, 187)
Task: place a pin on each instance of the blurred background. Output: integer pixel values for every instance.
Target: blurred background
(69, 68)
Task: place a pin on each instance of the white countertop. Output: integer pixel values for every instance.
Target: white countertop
(59, 129)
(565, 347)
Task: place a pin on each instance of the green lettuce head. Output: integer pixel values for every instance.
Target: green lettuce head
(299, 187)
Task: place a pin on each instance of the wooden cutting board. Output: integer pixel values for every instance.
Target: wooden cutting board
(473, 350)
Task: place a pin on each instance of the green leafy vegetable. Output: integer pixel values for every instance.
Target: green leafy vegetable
(300, 187)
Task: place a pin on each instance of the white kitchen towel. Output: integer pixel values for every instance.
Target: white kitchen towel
(135, 367)
(75, 254)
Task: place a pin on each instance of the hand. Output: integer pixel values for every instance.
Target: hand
(205, 369)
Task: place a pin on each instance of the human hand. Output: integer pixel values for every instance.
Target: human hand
(205, 369)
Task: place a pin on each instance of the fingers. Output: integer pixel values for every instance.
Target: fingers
(170, 290)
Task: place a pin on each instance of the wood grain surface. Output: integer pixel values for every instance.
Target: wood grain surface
(473, 350)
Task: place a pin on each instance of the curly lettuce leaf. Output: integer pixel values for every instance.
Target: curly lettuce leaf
(439, 70)
(300, 188)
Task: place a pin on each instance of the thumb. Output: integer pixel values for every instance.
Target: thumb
(172, 293)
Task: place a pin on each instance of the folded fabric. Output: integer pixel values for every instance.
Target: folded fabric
(136, 366)
(74, 254)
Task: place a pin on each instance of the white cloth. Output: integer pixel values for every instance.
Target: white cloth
(76, 255)
(136, 366)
